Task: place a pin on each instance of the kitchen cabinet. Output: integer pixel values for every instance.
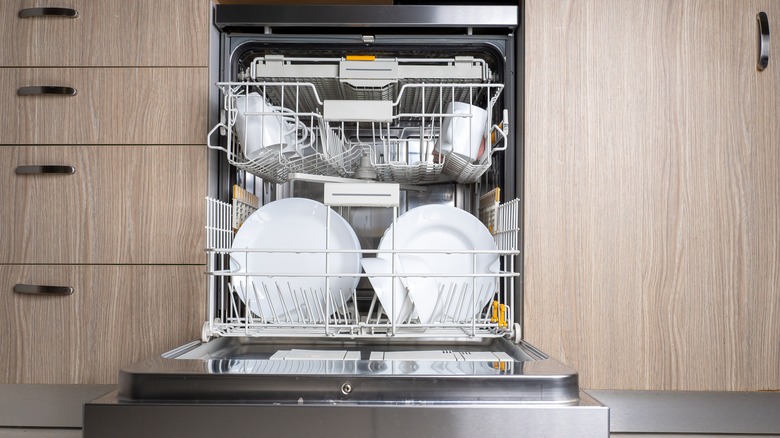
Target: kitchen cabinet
(116, 315)
(122, 95)
(652, 196)
(115, 33)
(122, 204)
(111, 106)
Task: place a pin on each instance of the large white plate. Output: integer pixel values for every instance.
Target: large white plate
(277, 291)
(444, 228)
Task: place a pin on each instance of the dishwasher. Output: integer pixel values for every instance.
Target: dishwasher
(364, 238)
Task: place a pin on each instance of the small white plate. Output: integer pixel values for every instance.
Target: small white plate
(421, 290)
(383, 286)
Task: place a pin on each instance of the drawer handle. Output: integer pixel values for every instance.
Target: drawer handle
(763, 41)
(42, 290)
(48, 12)
(38, 170)
(42, 90)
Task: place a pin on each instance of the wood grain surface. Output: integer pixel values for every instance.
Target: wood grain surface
(116, 316)
(652, 193)
(124, 204)
(113, 106)
(117, 33)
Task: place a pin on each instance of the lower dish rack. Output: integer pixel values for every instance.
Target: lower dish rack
(473, 304)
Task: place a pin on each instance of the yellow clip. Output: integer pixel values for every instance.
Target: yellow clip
(494, 314)
(361, 57)
(501, 366)
(502, 316)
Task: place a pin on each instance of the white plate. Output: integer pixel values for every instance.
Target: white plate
(444, 228)
(421, 288)
(383, 286)
(294, 223)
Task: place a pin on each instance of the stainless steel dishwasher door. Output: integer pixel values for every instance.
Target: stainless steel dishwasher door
(108, 417)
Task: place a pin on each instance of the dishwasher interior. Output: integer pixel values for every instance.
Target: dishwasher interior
(363, 223)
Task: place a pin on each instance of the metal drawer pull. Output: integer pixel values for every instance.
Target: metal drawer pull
(48, 12)
(763, 41)
(37, 170)
(41, 90)
(42, 290)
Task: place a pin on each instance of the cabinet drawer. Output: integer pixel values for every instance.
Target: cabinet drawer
(115, 316)
(105, 33)
(123, 204)
(111, 105)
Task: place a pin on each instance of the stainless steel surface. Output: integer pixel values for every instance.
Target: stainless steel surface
(244, 369)
(46, 405)
(48, 12)
(232, 16)
(763, 41)
(42, 290)
(691, 412)
(108, 416)
(44, 90)
(36, 170)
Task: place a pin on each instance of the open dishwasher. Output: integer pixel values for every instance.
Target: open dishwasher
(364, 247)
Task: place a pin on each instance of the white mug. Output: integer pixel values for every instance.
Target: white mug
(258, 130)
(463, 130)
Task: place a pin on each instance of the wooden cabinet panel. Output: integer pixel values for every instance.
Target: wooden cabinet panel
(116, 316)
(112, 106)
(106, 33)
(124, 204)
(652, 195)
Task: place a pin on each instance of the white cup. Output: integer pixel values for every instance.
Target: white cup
(463, 130)
(262, 126)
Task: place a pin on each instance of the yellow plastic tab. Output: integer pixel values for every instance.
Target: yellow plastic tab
(361, 57)
(494, 316)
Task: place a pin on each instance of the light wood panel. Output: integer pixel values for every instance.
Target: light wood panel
(652, 196)
(124, 204)
(106, 33)
(116, 316)
(113, 106)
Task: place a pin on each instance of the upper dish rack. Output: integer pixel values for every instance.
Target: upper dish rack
(390, 120)
(336, 313)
